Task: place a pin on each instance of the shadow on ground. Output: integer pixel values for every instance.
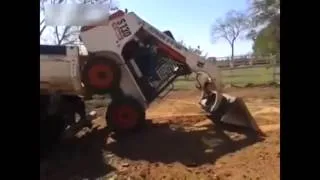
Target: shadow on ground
(160, 143)
(78, 159)
(83, 158)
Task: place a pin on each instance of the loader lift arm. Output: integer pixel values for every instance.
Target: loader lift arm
(205, 71)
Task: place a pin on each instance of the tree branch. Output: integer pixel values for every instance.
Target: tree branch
(56, 32)
(65, 35)
(42, 29)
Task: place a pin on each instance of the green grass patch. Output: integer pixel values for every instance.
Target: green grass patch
(256, 75)
(184, 85)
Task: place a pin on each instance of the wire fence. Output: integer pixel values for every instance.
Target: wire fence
(239, 76)
(250, 69)
(247, 60)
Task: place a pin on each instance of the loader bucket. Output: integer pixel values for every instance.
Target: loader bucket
(226, 109)
(236, 113)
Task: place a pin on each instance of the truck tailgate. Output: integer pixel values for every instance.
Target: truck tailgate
(60, 73)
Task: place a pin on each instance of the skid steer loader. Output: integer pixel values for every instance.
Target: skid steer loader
(113, 68)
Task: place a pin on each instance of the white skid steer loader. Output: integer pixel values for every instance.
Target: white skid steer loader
(136, 63)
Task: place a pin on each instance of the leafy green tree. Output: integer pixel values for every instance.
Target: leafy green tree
(265, 13)
(266, 42)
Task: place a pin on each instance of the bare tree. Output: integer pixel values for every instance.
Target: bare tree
(63, 35)
(230, 28)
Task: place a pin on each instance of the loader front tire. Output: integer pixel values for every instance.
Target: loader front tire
(125, 114)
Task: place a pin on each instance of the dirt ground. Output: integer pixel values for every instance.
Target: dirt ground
(179, 143)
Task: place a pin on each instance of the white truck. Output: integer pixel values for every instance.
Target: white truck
(60, 92)
(112, 67)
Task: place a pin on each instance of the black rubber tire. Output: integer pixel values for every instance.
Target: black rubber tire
(73, 105)
(104, 66)
(136, 111)
(87, 95)
(51, 127)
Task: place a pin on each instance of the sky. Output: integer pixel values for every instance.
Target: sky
(190, 22)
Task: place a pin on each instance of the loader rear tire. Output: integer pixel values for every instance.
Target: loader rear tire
(125, 114)
(101, 75)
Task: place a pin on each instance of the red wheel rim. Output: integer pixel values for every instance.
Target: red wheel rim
(125, 116)
(100, 76)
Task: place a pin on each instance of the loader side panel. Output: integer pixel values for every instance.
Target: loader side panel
(112, 36)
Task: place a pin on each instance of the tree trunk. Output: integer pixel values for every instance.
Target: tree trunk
(232, 51)
(232, 55)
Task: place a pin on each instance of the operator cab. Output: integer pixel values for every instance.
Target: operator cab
(123, 37)
(167, 69)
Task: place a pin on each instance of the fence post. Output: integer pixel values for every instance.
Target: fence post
(274, 74)
(273, 64)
